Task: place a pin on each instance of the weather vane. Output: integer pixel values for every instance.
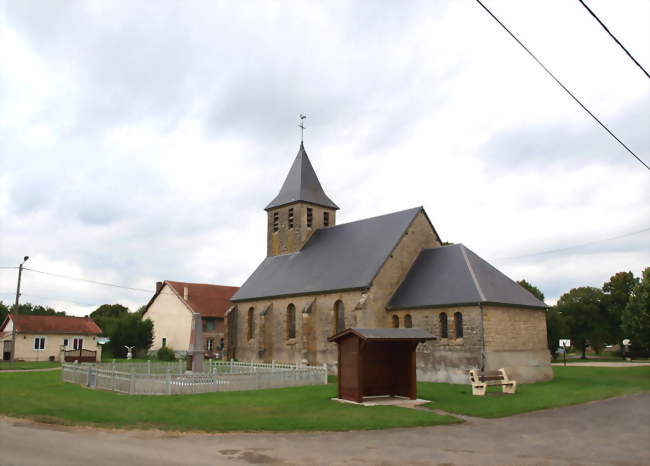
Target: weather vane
(302, 126)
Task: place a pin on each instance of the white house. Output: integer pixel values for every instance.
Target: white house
(171, 308)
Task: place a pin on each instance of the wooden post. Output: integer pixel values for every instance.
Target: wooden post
(169, 382)
(148, 366)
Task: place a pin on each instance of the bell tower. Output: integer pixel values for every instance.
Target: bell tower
(299, 209)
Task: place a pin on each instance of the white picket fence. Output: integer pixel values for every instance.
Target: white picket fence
(159, 378)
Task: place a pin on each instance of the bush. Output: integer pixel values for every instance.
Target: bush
(166, 354)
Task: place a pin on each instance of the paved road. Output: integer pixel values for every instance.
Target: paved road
(610, 432)
(49, 369)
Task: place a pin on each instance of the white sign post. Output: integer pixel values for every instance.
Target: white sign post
(565, 344)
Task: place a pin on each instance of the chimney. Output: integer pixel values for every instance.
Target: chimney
(159, 286)
(186, 293)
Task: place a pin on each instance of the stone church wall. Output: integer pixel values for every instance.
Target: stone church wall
(446, 359)
(515, 339)
(315, 322)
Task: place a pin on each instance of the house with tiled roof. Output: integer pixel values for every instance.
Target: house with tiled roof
(42, 338)
(171, 309)
(392, 270)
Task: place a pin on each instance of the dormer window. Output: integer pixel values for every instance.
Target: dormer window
(326, 219)
(276, 222)
(291, 218)
(310, 217)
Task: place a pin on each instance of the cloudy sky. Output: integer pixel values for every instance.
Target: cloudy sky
(141, 140)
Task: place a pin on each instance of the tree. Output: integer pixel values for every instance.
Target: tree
(130, 330)
(124, 328)
(584, 313)
(556, 328)
(636, 316)
(28, 309)
(4, 310)
(617, 292)
(532, 289)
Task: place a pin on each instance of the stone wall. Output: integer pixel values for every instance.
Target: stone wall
(287, 240)
(446, 359)
(515, 339)
(315, 322)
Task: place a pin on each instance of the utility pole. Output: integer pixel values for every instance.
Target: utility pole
(15, 312)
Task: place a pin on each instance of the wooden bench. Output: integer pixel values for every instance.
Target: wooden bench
(481, 380)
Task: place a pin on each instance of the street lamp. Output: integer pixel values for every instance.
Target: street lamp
(15, 312)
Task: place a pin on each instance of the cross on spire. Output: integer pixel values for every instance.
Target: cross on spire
(302, 127)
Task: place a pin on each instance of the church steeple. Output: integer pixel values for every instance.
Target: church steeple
(301, 184)
(299, 209)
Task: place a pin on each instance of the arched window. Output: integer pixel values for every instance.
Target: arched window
(251, 323)
(395, 322)
(408, 322)
(458, 323)
(291, 321)
(444, 330)
(339, 316)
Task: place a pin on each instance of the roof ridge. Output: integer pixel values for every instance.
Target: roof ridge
(202, 284)
(471, 272)
(376, 216)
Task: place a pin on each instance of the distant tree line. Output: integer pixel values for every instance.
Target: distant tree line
(593, 317)
(29, 309)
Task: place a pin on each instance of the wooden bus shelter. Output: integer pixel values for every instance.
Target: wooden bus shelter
(377, 362)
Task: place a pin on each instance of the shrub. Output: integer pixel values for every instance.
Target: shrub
(166, 354)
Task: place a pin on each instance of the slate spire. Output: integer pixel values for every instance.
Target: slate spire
(301, 184)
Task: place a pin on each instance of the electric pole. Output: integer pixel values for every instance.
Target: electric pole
(15, 312)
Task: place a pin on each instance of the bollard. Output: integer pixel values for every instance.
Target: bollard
(132, 382)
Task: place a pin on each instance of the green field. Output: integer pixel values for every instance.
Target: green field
(571, 385)
(43, 397)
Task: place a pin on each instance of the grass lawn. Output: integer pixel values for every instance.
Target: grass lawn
(22, 365)
(43, 397)
(599, 359)
(572, 385)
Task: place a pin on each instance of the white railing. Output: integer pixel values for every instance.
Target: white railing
(159, 378)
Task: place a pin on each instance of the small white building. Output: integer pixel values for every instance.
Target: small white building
(171, 309)
(40, 338)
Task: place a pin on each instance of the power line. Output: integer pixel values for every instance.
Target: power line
(113, 285)
(554, 251)
(563, 86)
(613, 37)
(88, 281)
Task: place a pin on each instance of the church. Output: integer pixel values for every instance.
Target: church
(393, 270)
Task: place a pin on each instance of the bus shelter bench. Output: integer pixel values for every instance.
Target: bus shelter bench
(481, 380)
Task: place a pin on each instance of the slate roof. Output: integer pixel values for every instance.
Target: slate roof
(207, 300)
(54, 324)
(342, 257)
(404, 334)
(454, 276)
(301, 184)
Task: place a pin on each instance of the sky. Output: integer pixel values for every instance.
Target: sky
(140, 141)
